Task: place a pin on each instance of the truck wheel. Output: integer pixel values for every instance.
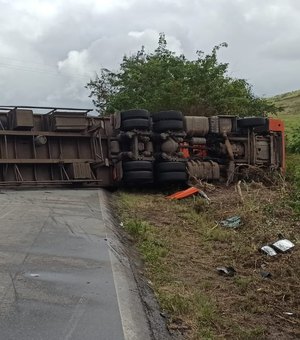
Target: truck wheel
(138, 176)
(133, 114)
(136, 123)
(170, 167)
(172, 177)
(137, 165)
(165, 125)
(167, 115)
(251, 122)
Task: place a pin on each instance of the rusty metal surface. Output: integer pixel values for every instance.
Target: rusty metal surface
(63, 145)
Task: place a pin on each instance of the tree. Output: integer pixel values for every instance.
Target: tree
(163, 80)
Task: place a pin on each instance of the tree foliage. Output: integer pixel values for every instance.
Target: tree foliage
(163, 80)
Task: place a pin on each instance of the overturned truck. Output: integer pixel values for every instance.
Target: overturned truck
(41, 146)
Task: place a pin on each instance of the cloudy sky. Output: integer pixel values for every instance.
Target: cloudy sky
(50, 49)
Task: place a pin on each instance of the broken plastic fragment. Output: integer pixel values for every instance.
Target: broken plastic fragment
(283, 245)
(35, 275)
(184, 194)
(231, 222)
(226, 271)
(266, 275)
(203, 194)
(268, 250)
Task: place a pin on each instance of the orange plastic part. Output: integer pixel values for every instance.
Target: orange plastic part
(184, 194)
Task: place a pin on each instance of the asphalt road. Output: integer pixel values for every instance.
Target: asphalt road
(61, 275)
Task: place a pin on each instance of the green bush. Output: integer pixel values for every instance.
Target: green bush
(293, 140)
(163, 80)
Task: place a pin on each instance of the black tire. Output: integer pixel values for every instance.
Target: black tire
(171, 167)
(165, 177)
(251, 122)
(133, 114)
(165, 125)
(138, 176)
(138, 123)
(167, 115)
(137, 165)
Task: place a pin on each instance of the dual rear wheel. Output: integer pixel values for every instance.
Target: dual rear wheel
(135, 120)
(142, 172)
(167, 121)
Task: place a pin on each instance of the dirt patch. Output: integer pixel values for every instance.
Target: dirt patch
(182, 244)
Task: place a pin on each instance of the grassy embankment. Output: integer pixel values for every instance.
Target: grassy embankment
(182, 243)
(290, 102)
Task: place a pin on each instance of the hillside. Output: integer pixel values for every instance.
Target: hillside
(290, 103)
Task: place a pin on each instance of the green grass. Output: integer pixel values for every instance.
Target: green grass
(255, 333)
(290, 103)
(243, 283)
(198, 304)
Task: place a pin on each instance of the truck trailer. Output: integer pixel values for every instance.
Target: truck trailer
(53, 146)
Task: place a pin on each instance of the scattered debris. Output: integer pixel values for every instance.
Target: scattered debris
(203, 194)
(266, 275)
(283, 245)
(35, 275)
(184, 193)
(226, 271)
(288, 313)
(164, 315)
(121, 224)
(239, 191)
(231, 222)
(268, 250)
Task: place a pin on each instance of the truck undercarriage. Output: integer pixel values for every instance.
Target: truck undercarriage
(42, 146)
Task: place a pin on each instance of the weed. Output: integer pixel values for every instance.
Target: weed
(205, 310)
(136, 228)
(293, 175)
(255, 333)
(152, 250)
(205, 333)
(200, 206)
(217, 233)
(242, 283)
(198, 304)
(175, 303)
